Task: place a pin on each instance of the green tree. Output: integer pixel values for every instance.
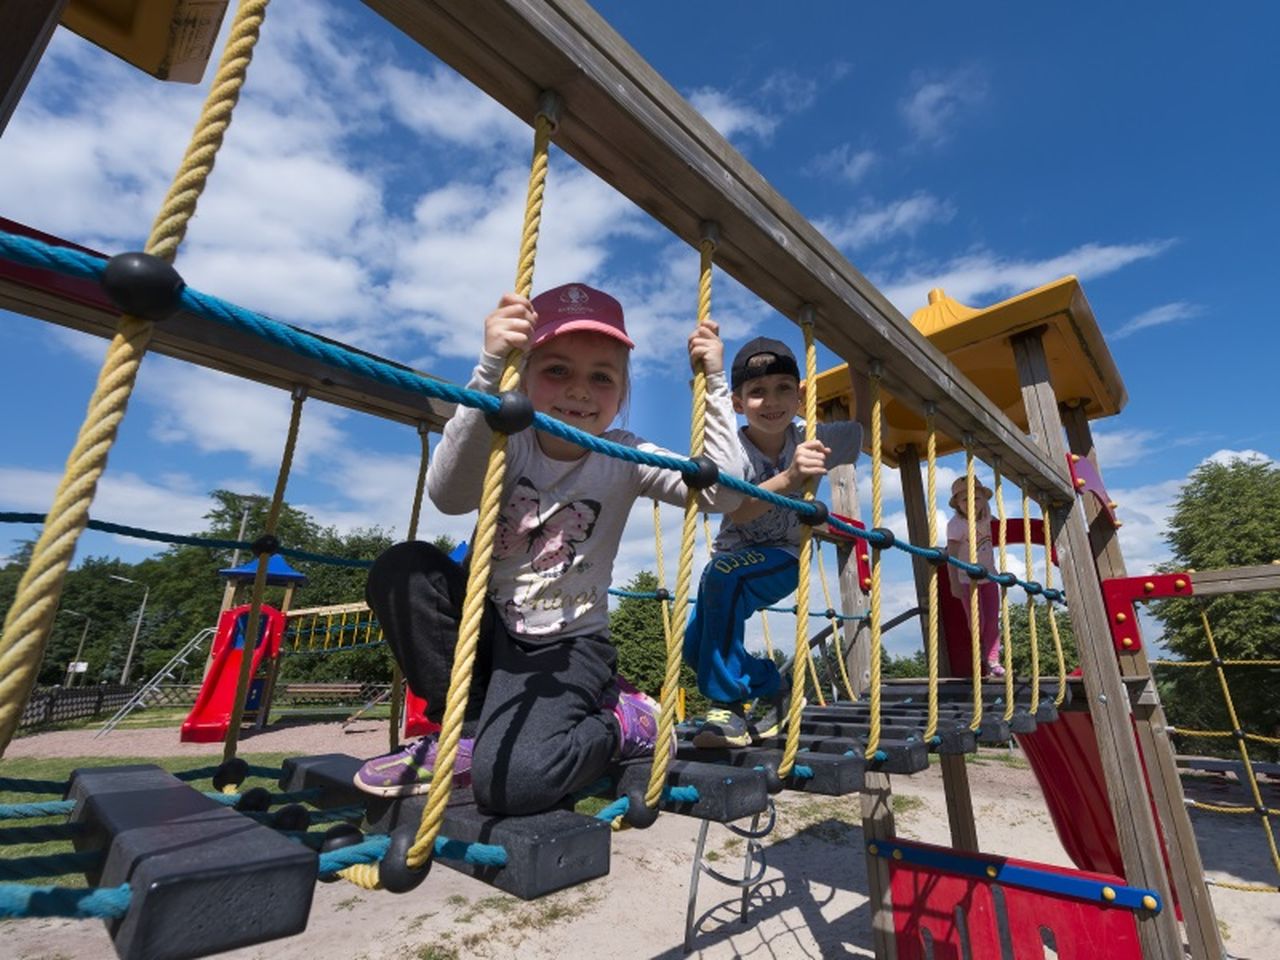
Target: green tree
(1227, 515)
(636, 628)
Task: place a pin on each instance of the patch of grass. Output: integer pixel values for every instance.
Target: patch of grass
(436, 951)
(457, 900)
(1224, 930)
(348, 904)
(711, 855)
(590, 806)
(499, 904)
(418, 921)
(904, 805)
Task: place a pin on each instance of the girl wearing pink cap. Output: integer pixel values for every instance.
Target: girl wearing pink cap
(547, 713)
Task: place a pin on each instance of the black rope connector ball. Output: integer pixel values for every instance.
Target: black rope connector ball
(268, 543)
(1005, 579)
(772, 782)
(1238, 734)
(335, 838)
(230, 773)
(639, 815)
(817, 515)
(831, 613)
(1032, 588)
(706, 474)
(293, 816)
(514, 413)
(394, 872)
(882, 537)
(143, 286)
(939, 557)
(662, 593)
(977, 572)
(1216, 661)
(257, 800)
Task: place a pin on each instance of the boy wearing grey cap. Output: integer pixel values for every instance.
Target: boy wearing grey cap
(754, 562)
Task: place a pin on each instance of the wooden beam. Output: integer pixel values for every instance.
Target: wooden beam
(1208, 583)
(877, 824)
(1140, 847)
(853, 600)
(622, 121)
(1185, 865)
(25, 29)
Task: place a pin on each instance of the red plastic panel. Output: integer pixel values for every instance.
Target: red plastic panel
(1119, 595)
(1086, 479)
(211, 714)
(861, 550)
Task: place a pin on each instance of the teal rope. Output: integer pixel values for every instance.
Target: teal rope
(77, 263)
(370, 850)
(27, 811)
(620, 806)
(24, 900)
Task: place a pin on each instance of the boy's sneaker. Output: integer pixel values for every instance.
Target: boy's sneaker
(773, 721)
(725, 726)
(637, 715)
(408, 771)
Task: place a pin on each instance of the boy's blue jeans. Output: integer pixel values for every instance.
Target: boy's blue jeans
(734, 586)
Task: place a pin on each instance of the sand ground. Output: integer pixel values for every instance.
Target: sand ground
(811, 903)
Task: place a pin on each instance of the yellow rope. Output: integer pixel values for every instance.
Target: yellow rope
(688, 535)
(931, 635)
(662, 572)
(1243, 887)
(1053, 617)
(35, 601)
(1228, 809)
(877, 520)
(836, 630)
(260, 578)
(1209, 663)
(706, 533)
(802, 626)
(975, 613)
(486, 527)
(363, 875)
(1031, 604)
(1241, 744)
(768, 642)
(801, 658)
(1006, 634)
(396, 699)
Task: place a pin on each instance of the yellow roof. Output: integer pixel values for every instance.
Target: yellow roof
(169, 39)
(1081, 367)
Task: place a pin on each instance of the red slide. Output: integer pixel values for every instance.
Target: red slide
(211, 715)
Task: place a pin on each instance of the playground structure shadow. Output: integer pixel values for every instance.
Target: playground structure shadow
(1239, 848)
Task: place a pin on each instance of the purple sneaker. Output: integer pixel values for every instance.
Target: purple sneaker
(407, 772)
(637, 715)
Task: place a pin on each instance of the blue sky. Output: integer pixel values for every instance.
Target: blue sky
(368, 193)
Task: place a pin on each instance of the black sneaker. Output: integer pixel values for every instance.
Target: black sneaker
(725, 726)
(773, 721)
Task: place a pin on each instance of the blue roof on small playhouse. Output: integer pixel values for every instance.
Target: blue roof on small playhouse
(278, 572)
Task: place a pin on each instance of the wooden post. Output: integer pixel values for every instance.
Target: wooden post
(955, 771)
(853, 599)
(25, 29)
(1108, 701)
(1198, 916)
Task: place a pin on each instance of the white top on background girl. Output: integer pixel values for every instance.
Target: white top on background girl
(564, 508)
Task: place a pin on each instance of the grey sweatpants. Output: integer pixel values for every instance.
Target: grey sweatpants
(534, 705)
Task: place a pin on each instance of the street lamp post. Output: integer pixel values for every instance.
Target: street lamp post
(70, 680)
(137, 627)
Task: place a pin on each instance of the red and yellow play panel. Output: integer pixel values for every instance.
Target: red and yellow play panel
(1081, 367)
(169, 39)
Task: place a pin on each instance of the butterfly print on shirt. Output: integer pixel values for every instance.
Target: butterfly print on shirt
(522, 529)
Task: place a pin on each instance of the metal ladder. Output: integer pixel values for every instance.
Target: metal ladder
(754, 855)
(178, 661)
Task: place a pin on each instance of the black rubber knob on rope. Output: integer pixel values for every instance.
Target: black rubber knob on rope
(293, 816)
(939, 557)
(978, 573)
(257, 800)
(143, 285)
(268, 543)
(1030, 586)
(639, 815)
(816, 516)
(514, 413)
(335, 838)
(662, 593)
(1004, 579)
(394, 872)
(707, 473)
(230, 773)
(882, 537)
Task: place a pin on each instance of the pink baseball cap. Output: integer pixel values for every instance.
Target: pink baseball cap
(576, 307)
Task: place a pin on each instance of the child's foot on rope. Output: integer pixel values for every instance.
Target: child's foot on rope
(408, 771)
(637, 715)
(995, 670)
(773, 721)
(725, 726)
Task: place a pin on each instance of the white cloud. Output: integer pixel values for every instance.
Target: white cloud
(976, 276)
(1122, 448)
(1226, 457)
(1157, 317)
(732, 117)
(844, 163)
(441, 105)
(935, 105)
(863, 227)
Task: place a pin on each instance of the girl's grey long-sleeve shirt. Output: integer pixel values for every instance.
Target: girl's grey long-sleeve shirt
(561, 522)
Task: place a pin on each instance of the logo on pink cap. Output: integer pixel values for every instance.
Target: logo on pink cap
(575, 308)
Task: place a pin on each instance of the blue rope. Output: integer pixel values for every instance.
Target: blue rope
(50, 865)
(481, 854)
(23, 785)
(370, 850)
(24, 900)
(615, 809)
(26, 811)
(76, 263)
